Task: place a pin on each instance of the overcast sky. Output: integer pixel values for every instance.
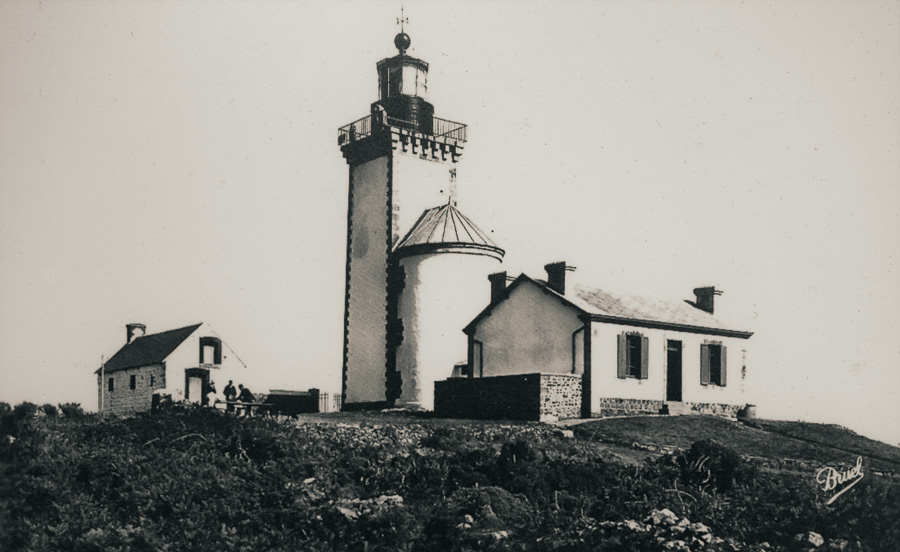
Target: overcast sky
(176, 162)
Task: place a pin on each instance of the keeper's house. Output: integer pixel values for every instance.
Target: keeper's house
(185, 364)
(586, 352)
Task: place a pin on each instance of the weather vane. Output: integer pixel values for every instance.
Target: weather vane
(401, 20)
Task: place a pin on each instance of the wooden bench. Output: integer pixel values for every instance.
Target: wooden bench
(237, 406)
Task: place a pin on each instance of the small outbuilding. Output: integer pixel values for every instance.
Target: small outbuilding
(188, 364)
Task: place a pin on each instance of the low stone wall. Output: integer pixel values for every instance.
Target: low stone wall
(639, 407)
(628, 407)
(715, 409)
(527, 397)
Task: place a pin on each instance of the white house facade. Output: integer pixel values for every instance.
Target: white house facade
(633, 354)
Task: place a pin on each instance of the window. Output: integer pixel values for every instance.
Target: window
(578, 351)
(633, 352)
(152, 380)
(112, 385)
(477, 368)
(132, 382)
(210, 350)
(713, 366)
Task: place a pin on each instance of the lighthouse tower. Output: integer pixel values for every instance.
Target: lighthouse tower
(402, 298)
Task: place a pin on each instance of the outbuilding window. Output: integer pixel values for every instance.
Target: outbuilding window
(132, 382)
(111, 385)
(210, 350)
(633, 352)
(713, 364)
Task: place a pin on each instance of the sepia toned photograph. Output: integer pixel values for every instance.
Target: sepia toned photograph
(456, 276)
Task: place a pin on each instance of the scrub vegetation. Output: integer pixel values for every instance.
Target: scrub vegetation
(198, 479)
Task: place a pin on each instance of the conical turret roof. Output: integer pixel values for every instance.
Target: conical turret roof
(446, 229)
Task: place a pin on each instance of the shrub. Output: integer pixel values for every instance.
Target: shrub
(712, 466)
(25, 410)
(49, 410)
(71, 410)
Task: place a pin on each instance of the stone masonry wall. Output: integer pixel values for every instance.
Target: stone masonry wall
(715, 409)
(528, 397)
(560, 396)
(628, 407)
(638, 407)
(124, 400)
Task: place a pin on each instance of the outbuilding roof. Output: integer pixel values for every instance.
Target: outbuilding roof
(148, 349)
(445, 228)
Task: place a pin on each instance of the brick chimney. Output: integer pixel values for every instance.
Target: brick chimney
(134, 331)
(498, 285)
(706, 298)
(556, 276)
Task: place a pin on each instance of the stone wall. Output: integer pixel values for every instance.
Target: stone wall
(124, 400)
(628, 407)
(528, 397)
(715, 409)
(639, 407)
(560, 396)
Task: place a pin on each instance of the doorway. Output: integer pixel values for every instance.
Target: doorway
(196, 385)
(673, 371)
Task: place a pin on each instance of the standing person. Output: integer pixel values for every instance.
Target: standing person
(210, 398)
(246, 397)
(230, 393)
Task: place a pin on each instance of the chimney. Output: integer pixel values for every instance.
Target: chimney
(134, 331)
(498, 285)
(556, 276)
(706, 298)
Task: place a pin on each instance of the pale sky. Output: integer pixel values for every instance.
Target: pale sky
(176, 162)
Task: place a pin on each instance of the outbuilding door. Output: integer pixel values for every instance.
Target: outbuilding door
(196, 385)
(673, 371)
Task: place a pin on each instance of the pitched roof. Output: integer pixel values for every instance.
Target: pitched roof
(442, 228)
(603, 303)
(148, 349)
(628, 309)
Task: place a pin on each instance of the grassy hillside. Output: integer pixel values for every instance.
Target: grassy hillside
(812, 443)
(204, 480)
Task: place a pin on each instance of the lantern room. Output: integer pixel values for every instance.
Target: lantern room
(403, 90)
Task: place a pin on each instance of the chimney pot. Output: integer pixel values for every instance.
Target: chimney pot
(706, 298)
(498, 285)
(134, 331)
(556, 276)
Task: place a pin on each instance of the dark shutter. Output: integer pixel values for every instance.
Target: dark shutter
(645, 353)
(623, 359)
(723, 369)
(704, 364)
(218, 353)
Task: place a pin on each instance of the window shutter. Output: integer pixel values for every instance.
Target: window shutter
(645, 352)
(218, 353)
(723, 369)
(704, 364)
(622, 356)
